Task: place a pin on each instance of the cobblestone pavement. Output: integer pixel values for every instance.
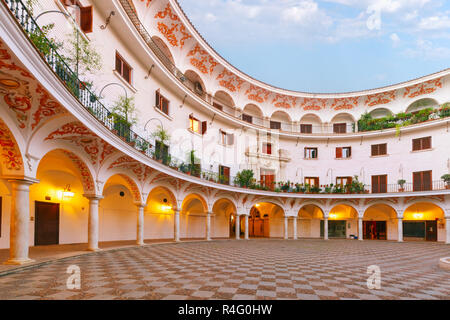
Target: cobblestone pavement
(255, 269)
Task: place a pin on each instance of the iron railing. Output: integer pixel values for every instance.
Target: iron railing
(91, 102)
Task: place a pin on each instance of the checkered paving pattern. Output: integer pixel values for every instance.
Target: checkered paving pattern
(255, 269)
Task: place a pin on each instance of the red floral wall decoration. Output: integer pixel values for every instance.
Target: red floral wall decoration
(230, 81)
(257, 94)
(380, 98)
(313, 104)
(345, 103)
(12, 159)
(86, 177)
(176, 34)
(282, 101)
(202, 60)
(423, 88)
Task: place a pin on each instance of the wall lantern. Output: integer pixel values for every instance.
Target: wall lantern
(166, 207)
(418, 216)
(66, 193)
(333, 216)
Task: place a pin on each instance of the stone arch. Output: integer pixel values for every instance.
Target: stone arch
(422, 104)
(194, 209)
(343, 117)
(380, 222)
(85, 172)
(193, 78)
(162, 192)
(309, 217)
(342, 220)
(164, 48)
(222, 98)
(280, 115)
(380, 113)
(224, 210)
(311, 117)
(255, 112)
(129, 182)
(424, 220)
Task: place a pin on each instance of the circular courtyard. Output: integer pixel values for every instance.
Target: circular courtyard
(254, 269)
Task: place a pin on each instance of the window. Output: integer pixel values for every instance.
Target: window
(379, 184)
(217, 106)
(162, 103)
(379, 149)
(224, 175)
(226, 138)
(343, 181)
(421, 144)
(311, 153)
(275, 125)
(268, 179)
(123, 68)
(196, 126)
(312, 181)
(267, 148)
(247, 118)
(340, 128)
(306, 128)
(343, 153)
(82, 15)
(422, 181)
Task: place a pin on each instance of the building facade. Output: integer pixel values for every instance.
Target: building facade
(80, 165)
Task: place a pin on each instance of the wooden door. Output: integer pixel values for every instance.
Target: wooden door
(431, 230)
(46, 225)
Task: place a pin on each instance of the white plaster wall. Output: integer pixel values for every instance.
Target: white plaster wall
(220, 226)
(158, 226)
(193, 225)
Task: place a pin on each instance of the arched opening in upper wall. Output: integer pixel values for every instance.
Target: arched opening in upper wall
(310, 123)
(380, 113)
(253, 114)
(223, 100)
(342, 123)
(422, 104)
(164, 49)
(280, 120)
(195, 82)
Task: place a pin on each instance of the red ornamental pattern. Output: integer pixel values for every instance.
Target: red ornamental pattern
(257, 94)
(345, 103)
(313, 104)
(140, 170)
(380, 98)
(230, 81)
(12, 158)
(86, 177)
(5, 63)
(286, 102)
(201, 59)
(21, 105)
(133, 187)
(176, 34)
(148, 2)
(72, 128)
(423, 88)
(47, 107)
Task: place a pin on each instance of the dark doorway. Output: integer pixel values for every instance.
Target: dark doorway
(431, 230)
(336, 228)
(374, 230)
(46, 224)
(414, 230)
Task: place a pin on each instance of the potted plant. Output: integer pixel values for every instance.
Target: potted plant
(401, 183)
(244, 178)
(124, 114)
(446, 178)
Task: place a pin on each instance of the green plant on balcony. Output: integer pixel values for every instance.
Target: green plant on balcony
(285, 186)
(244, 178)
(42, 41)
(124, 114)
(356, 186)
(338, 189)
(194, 164)
(446, 178)
(162, 139)
(142, 145)
(316, 189)
(328, 188)
(401, 183)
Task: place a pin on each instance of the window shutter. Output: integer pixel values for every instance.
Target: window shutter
(118, 64)
(374, 150)
(375, 184)
(86, 19)
(383, 149)
(230, 139)
(204, 126)
(383, 184)
(426, 143)
(165, 106)
(338, 153)
(349, 152)
(157, 99)
(417, 181)
(426, 181)
(416, 144)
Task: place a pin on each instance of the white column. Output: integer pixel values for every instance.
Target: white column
(208, 226)
(360, 228)
(93, 222)
(246, 227)
(238, 228)
(285, 227)
(325, 228)
(400, 229)
(140, 224)
(295, 228)
(20, 221)
(176, 225)
(447, 230)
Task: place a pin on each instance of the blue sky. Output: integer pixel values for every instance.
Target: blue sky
(327, 45)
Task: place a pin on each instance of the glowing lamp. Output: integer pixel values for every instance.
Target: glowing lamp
(333, 216)
(257, 205)
(418, 216)
(166, 208)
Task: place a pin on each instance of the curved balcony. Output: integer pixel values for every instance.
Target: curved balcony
(176, 167)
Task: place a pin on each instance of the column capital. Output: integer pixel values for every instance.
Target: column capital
(93, 196)
(140, 204)
(20, 179)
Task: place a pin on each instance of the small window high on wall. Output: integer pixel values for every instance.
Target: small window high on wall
(123, 68)
(82, 15)
(162, 103)
(196, 126)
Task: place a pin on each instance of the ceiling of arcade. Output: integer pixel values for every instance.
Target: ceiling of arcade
(160, 18)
